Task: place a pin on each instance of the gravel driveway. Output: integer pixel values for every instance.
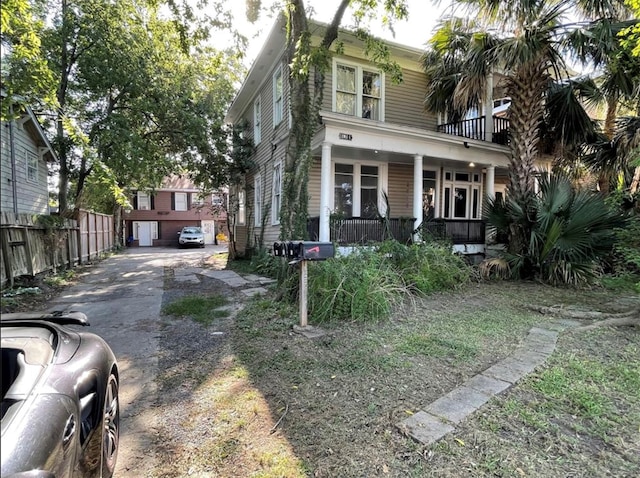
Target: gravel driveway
(122, 296)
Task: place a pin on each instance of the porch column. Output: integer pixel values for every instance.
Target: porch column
(325, 192)
(491, 179)
(488, 110)
(417, 193)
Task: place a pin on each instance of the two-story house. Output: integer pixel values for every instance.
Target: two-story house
(25, 153)
(376, 151)
(158, 217)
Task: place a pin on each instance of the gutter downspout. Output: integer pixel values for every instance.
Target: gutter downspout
(14, 184)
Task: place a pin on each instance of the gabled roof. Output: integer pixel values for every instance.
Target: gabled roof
(178, 182)
(274, 47)
(31, 124)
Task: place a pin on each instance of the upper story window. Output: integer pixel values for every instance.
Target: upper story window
(197, 199)
(276, 194)
(257, 121)
(144, 202)
(358, 91)
(278, 97)
(216, 201)
(181, 202)
(32, 167)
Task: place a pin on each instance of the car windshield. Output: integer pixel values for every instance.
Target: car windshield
(191, 230)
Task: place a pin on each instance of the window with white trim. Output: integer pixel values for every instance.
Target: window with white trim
(197, 199)
(276, 193)
(358, 91)
(356, 189)
(216, 201)
(462, 195)
(278, 96)
(257, 200)
(144, 201)
(242, 209)
(257, 121)
(32, 167)
(180, 202)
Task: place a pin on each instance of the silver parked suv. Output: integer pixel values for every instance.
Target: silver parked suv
(191, 236)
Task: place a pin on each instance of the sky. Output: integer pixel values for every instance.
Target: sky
(415, 31)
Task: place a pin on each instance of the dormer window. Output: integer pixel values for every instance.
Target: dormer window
(358, 91)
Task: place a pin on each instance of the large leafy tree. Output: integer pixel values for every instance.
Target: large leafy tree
(308, 63)
(26, 77)
(137, 94)
(525, 40)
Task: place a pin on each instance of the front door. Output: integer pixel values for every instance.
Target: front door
(144, 234)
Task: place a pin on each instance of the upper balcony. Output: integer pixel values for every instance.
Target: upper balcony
(475, 128)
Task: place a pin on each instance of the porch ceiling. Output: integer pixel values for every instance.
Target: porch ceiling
(355, 138)
(363, 154)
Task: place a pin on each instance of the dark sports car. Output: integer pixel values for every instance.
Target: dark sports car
(60, 412)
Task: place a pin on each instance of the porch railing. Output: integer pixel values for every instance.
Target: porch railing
(474, 128)
(458, 231)
(360, 230)
(356, 230)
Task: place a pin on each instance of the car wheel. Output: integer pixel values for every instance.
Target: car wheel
(110, 427)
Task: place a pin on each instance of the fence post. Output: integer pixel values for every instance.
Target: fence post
(27, 250)
(8, 265)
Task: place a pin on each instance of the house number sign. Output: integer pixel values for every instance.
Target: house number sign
(345, 136)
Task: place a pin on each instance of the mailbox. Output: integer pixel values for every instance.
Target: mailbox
(304, 250)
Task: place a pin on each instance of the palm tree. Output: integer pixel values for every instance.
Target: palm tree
(601, 45)
(572, 228)
(525, 40)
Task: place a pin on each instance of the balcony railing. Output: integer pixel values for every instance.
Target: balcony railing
(474, 128)
(356, 230)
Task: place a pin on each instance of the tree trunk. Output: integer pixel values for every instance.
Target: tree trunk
(304, 116)
(525, 114)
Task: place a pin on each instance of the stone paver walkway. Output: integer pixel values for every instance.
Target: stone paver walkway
(251, 284)
(440, 417)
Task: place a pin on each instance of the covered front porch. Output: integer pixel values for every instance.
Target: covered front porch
(376, 181)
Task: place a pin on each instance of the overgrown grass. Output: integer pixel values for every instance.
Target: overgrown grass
(201, 309)
(367, 284)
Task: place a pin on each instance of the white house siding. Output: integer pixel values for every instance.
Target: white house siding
(400, 190)
(33, 197)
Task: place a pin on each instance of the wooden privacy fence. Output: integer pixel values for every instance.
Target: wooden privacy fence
(30, 247)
